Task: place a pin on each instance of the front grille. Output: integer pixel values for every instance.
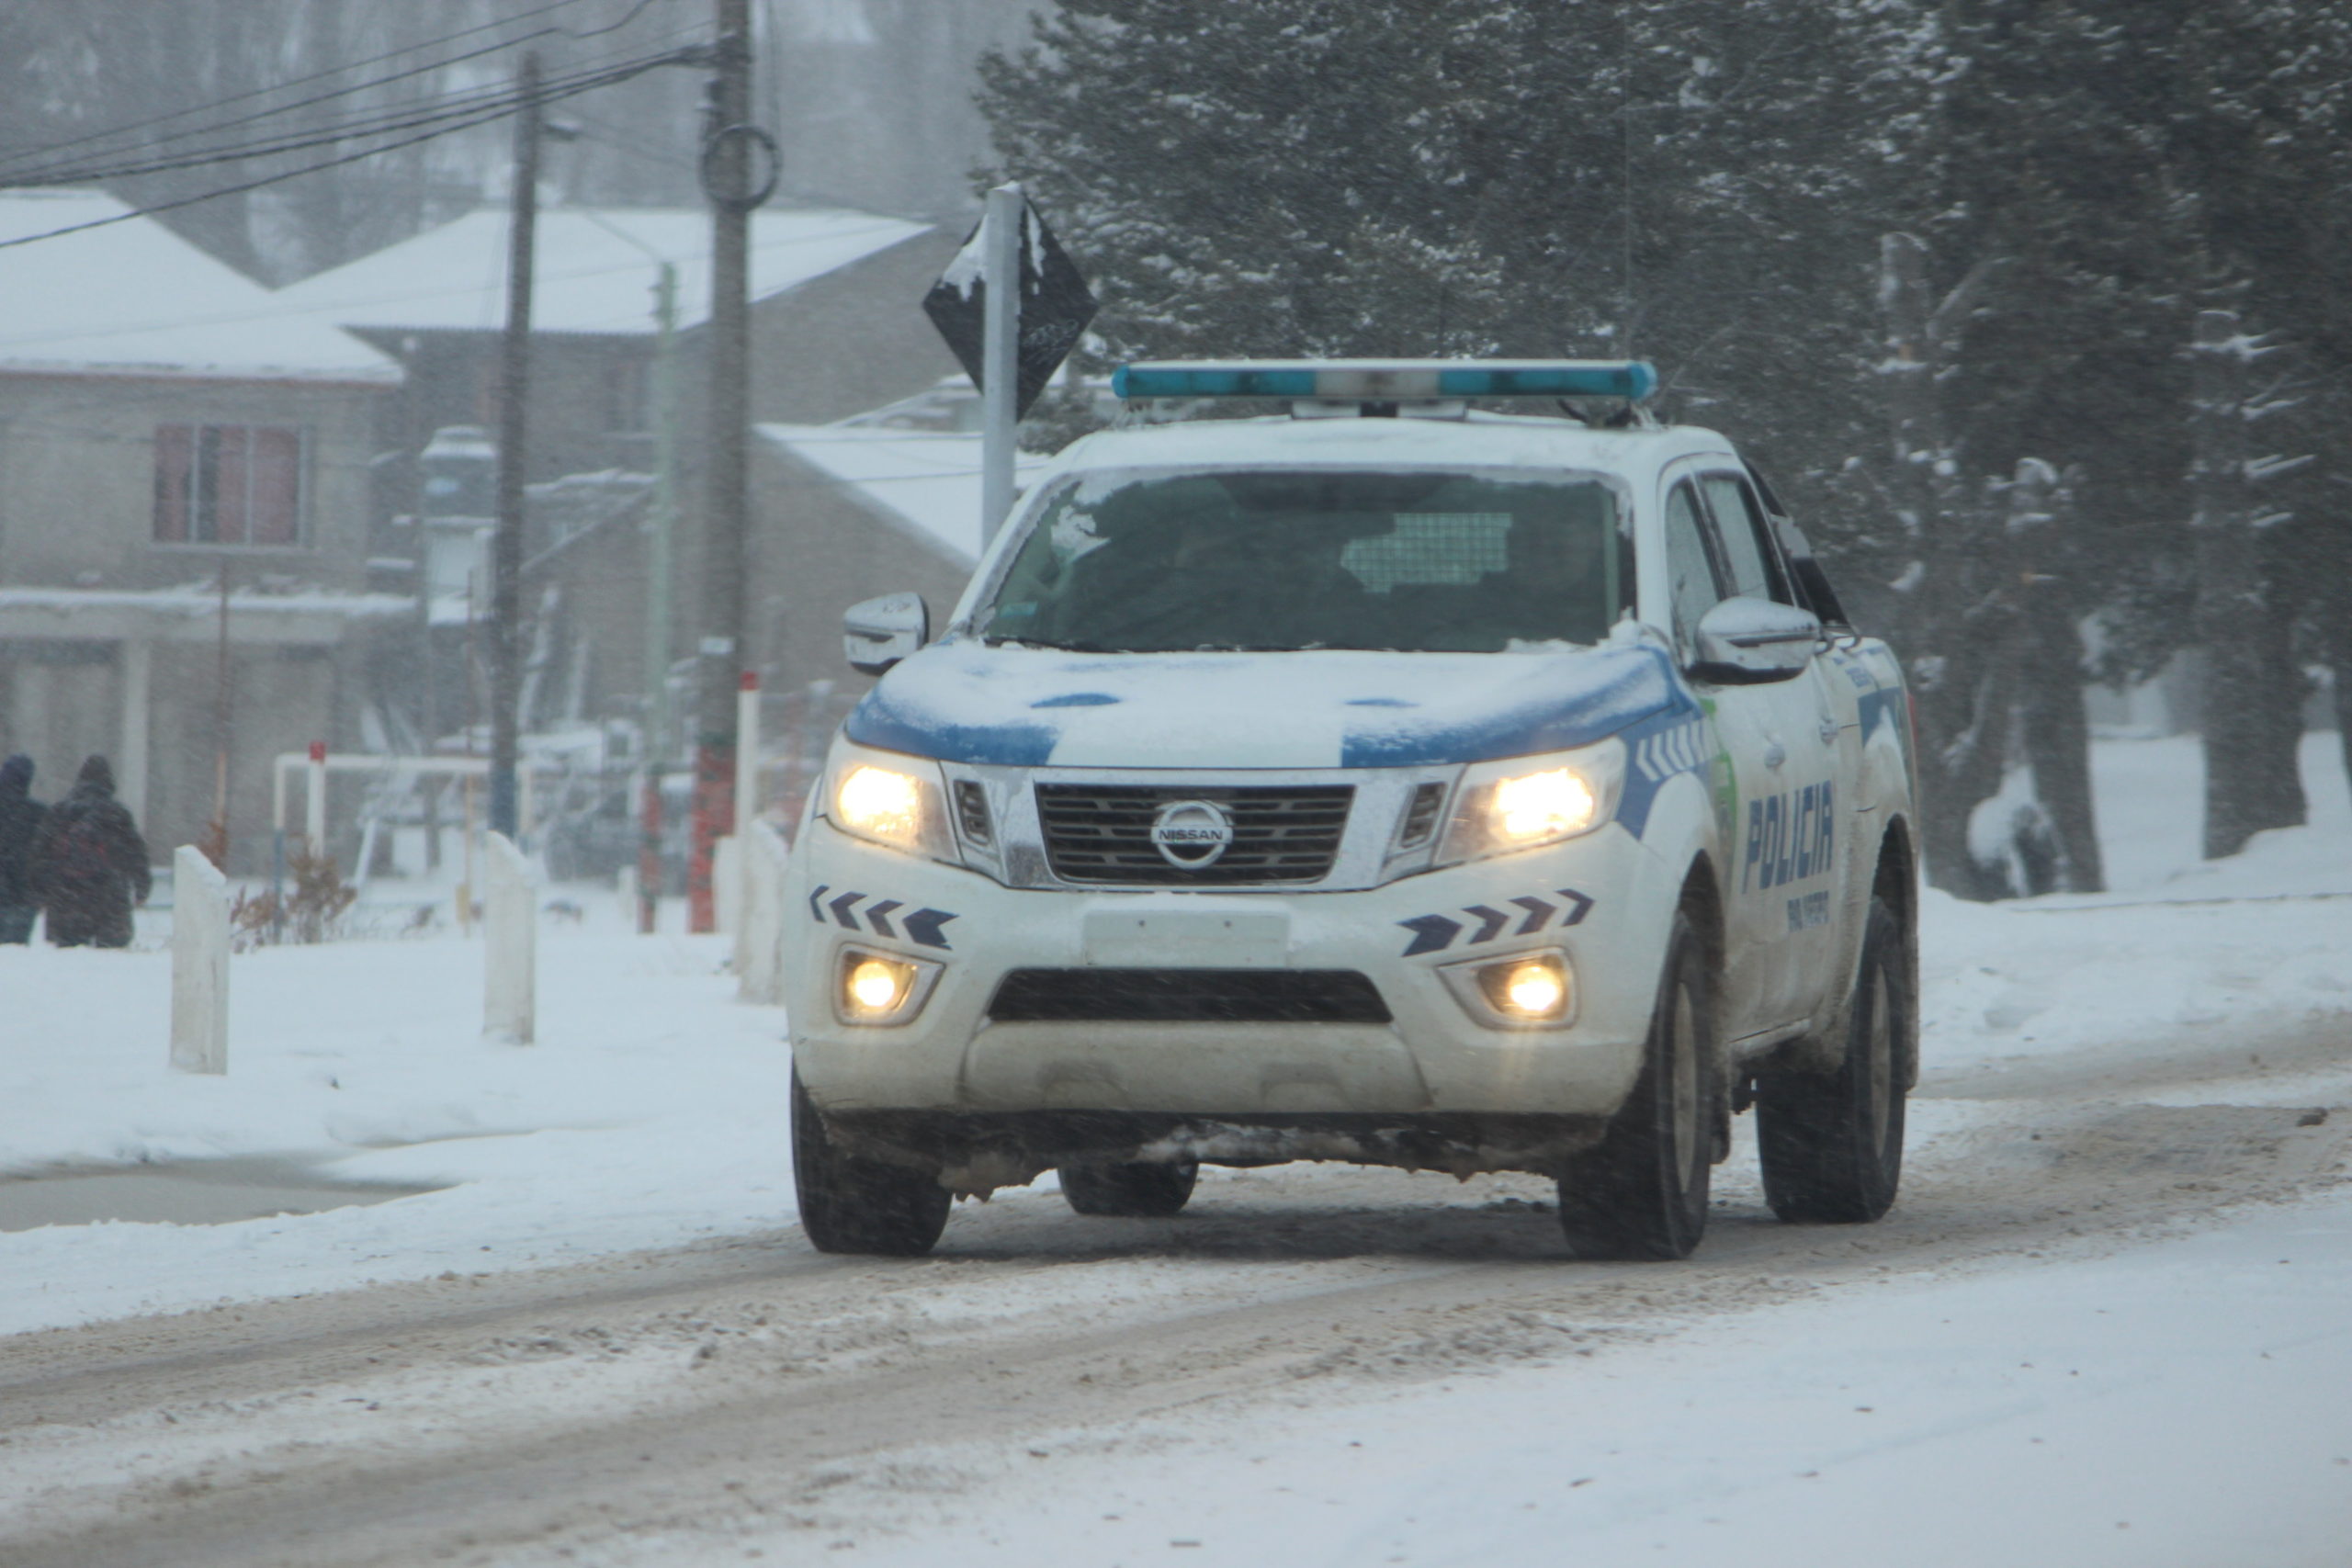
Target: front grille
(1187, 995)
(1281, 833)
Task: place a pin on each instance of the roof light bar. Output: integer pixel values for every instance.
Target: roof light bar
(1387, 380)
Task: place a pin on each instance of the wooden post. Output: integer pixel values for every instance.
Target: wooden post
(200, 964)
(514, 431)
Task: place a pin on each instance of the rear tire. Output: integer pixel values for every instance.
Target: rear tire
(1831, 1144)
(1641, 1193)
(1143, 1191)
(855, 1205)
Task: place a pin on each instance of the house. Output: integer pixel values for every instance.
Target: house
(836, 323)
(184, 509)
(837, 327)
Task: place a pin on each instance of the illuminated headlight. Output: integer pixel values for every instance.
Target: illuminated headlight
(1524, 990)
(881, 987)
(889, 799)
(1529, 801)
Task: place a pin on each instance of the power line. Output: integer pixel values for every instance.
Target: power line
(464, 121)
(316, 76)
(404, 116)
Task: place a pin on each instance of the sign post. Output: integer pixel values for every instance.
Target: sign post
(1012, 340)
(999, 420)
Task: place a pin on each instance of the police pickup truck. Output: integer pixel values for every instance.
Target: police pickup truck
(1386, 780)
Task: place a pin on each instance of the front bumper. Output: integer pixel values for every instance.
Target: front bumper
(1602, 899)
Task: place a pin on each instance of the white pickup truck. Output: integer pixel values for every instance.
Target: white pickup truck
(1384, 781)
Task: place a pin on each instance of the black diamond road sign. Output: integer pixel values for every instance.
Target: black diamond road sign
(1056, 305)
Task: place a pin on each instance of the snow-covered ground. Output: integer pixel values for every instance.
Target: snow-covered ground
(2157, 1383)
(651, 1110)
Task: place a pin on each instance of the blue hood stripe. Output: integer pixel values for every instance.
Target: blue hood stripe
(1639, 688)
(1617, 688)
(874, 722)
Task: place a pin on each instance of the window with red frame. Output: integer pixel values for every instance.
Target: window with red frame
(228, 484)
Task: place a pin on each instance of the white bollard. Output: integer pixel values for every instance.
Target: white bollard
(200, 964)
(510, 951)
(758, 951)
(727, 884)
(315, 803)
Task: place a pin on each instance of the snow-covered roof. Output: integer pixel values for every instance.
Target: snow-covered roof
(595, 269)
(928, 481)
(134, 297)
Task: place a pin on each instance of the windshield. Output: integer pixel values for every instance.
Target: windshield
(1289, 559)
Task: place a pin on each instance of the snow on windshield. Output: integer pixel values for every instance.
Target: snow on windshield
(1441, 561)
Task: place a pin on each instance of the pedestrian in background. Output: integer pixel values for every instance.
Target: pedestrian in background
(20, 818)
(89, 863)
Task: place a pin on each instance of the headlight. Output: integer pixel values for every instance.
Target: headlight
(1524, 802)
(889, 799)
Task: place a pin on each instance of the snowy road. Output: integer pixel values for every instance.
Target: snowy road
(749, 1396)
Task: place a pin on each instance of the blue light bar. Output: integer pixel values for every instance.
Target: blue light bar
(1387, 380)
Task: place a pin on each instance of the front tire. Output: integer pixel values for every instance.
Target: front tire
(855, 1205)
(1831, 1144)
(1641, 1193)
(1141, 1191)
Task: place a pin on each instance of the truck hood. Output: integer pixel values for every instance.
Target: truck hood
(963, 700)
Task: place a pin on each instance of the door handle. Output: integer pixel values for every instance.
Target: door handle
(1775, 754)
(1829, 732)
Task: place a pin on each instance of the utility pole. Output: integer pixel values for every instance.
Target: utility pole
(727, 180)
(513, 394)
(661, 526)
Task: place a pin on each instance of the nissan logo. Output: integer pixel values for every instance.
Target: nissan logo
(1191, 834)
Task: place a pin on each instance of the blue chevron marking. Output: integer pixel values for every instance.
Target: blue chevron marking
(922, 927)
(1538, 911)
(1431, 933)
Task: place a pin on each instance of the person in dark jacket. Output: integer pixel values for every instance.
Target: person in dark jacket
(20, 818)
(89, 863)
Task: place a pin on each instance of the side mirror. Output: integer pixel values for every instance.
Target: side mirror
(877, 633)
(1747, 642)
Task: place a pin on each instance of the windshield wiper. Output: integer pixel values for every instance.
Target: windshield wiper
(1050, 647)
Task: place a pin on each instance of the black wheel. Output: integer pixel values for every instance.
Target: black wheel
(854, 1205)
(1147, 1191)
(1831, 1144)
(1641, 1193)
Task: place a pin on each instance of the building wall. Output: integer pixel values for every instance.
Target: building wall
(77, 480)
(852, 340)
(77, 511)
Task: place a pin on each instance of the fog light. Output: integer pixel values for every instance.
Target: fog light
(1537, 988)
(1526, 990)
(880, 987)
(875, 986)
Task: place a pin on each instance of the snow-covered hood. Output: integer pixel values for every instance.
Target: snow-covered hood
(963, 700)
